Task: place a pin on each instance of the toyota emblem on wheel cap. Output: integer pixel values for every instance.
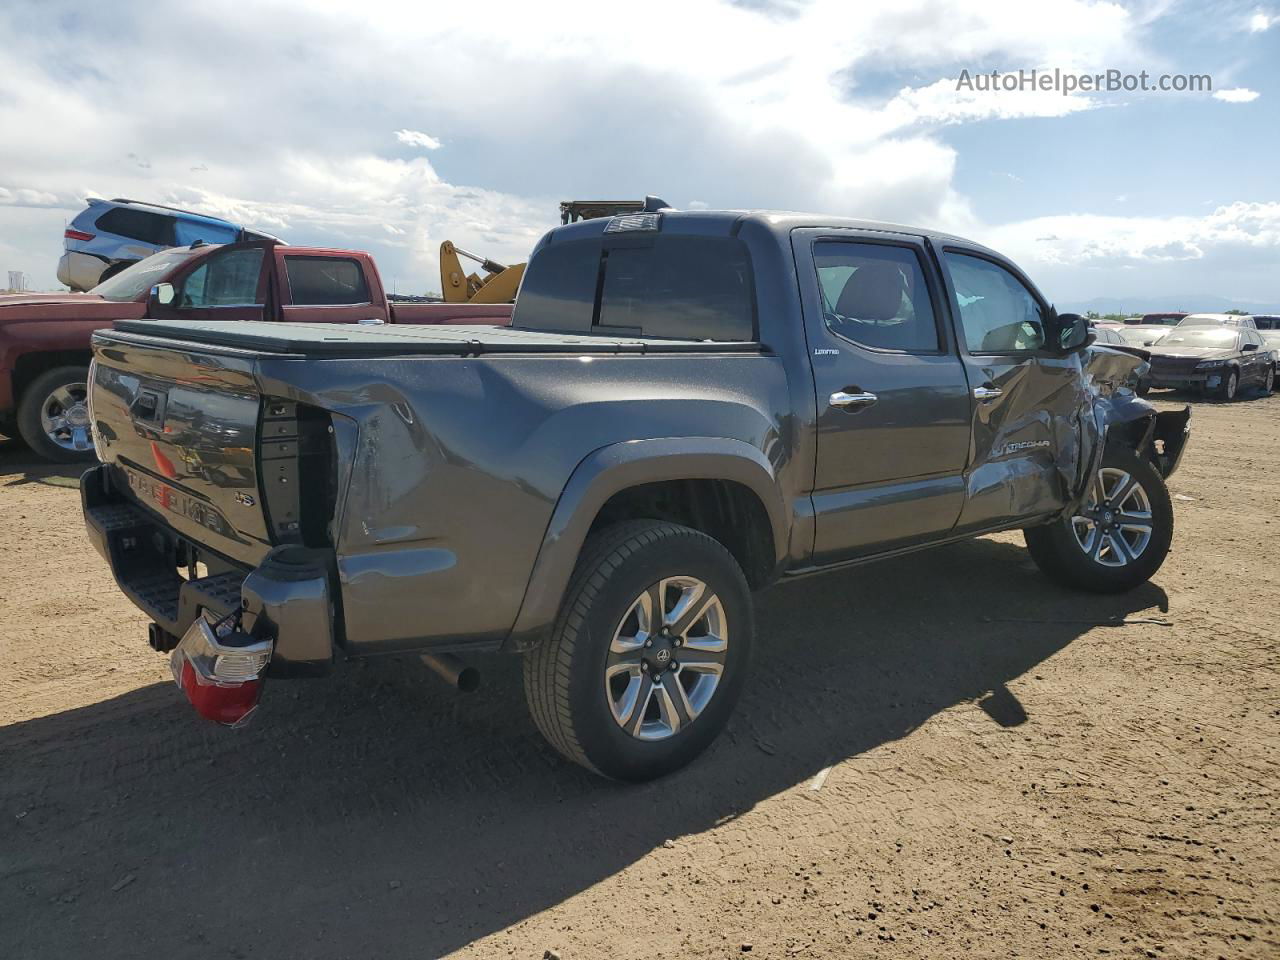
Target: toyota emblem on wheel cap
(662, 656)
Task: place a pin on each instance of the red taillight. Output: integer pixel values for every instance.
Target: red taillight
(220, 670)
(77, 235)
(221, 704)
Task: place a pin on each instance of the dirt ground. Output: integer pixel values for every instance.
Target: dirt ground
(940, 756)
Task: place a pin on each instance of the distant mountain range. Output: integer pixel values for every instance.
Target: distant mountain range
(1165, 303)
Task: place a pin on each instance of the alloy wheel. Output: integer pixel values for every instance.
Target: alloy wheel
(64, 417)
(666, 658)
(1115, 525)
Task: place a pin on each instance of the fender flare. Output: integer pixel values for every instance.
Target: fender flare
(620, 466)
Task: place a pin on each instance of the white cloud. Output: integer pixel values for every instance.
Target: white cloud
(942, 102)
(1227, 251)
(1261, 21)
(1236, 95)
(416, 138)
(734, 123)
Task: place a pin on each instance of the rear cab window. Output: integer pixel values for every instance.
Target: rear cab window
(646, 284)
(325, 281)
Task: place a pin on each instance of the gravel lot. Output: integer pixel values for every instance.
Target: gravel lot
(1040, 784)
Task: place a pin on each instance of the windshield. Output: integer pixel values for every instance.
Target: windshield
(131, 283)
(1205, 322)
(1139, 336)
(1201, 337)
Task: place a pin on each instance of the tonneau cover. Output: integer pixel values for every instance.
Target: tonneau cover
(361, 340)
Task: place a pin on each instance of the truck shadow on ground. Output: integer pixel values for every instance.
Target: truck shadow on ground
(379, 814)
(20, 466)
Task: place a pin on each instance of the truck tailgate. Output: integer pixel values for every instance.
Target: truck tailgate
(180, 427)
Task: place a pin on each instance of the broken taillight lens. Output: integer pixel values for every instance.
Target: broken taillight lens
(220, 668)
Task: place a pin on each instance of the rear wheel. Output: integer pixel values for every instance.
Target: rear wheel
(648, 654)
(53, 415)
(1119, 537)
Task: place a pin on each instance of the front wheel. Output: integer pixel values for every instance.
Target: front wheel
(1119, 537)
(1227, 392)
(648, 654)
(53, 415)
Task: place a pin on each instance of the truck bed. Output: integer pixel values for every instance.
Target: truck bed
(353, 340)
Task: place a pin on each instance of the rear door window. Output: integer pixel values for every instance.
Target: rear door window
(876, 296)
(138, 225)
(321, 281)
(687, 288)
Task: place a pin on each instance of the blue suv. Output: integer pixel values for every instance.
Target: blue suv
(110, 235)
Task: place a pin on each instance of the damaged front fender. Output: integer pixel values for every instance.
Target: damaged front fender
(1112, 413)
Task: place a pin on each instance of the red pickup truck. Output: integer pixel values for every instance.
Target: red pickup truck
(44, 338)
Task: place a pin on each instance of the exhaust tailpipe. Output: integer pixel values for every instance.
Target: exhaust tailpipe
(453, 671)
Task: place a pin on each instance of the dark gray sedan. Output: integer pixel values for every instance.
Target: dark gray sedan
(1220, 361)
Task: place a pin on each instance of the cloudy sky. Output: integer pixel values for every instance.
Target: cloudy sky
(392, 126)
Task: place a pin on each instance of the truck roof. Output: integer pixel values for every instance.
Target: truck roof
(780, 222)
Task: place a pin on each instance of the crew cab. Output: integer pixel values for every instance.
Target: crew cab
(44, 338)
(687, 406)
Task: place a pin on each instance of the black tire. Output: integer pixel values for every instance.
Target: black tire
(564, 677)
(1061, 555)
(1230, 387)
(37, 394)
(1143, 388)
(1268, 383)
(115, 268)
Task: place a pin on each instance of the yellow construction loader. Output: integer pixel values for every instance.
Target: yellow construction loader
(498, 285)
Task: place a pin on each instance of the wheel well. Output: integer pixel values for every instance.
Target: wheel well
(722, 509)
(31, 365)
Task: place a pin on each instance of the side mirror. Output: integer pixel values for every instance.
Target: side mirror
(1249, 346)
(162, 293)
(1072, 332)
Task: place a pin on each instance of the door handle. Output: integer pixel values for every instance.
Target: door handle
(842, 399)
(984, 394)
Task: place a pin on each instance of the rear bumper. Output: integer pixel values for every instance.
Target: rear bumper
(81, 271)
(287, 598)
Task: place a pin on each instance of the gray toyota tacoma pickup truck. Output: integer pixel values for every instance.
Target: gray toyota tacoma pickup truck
(687, 407)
